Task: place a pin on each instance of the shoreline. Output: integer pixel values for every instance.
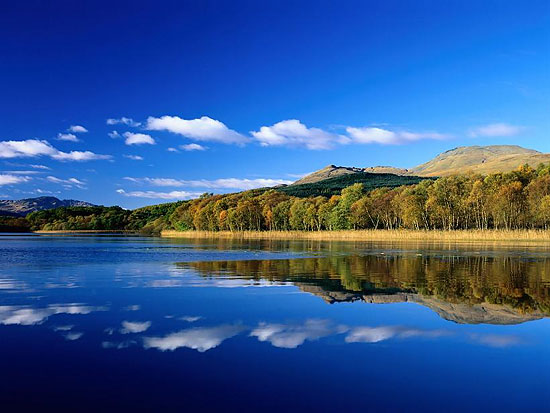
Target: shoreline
(82, 231)
(372, 235)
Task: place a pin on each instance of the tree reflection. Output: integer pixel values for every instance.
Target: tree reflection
(511, 282)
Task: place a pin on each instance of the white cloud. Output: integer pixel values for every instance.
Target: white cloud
(160, 195)
(193, 147)
(138, 139)
(388, 137)
(200, 338)
(8, 179)
(202, 129)
(70, 137)
(224, 183)
(123, 121)
(129, 327)
(69, 182)
(134, 157)
(40, 167)
(172, 150)
(114, 135)
(34, 148)
(496, 129)
(158, 181)
(79, 156)
(77, 129)
(294, 133)
(292, 336)
(23, 172)
(26, 148)
(42, 191)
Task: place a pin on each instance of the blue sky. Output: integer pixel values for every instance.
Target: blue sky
(179, 98)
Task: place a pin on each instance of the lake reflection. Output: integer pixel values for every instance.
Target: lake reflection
(144, 323)
(461, 288)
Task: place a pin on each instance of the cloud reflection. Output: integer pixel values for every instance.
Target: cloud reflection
(129, 327)
(190, 318)
(63, 328)
(24, 315)
(73, 335)
(292, 336)
(199, 338)
(377, 334)
(118, 345)
(496, 340)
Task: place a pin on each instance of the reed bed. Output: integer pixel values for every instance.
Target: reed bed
(374, 235)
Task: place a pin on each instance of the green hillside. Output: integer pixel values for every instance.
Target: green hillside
(333, 186)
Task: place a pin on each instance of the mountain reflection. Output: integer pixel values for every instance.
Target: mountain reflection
(465, 289)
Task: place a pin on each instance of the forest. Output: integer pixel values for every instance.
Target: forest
(334, 186)
(515, 200)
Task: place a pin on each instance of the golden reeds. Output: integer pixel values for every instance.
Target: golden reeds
(375, 235)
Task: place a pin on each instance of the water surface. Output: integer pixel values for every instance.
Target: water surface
(89, 322)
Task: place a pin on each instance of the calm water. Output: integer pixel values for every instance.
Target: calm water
(116, 322)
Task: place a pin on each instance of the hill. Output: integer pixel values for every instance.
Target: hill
(334, 185)
(333, 171)
(22, 207)
(478, 159)
(330, 171)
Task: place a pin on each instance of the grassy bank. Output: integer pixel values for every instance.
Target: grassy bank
(374, 235)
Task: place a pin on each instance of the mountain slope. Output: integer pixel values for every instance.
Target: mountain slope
(330, 171)
(333, 171)
(478, 159)
(335, 184)
(23, 207)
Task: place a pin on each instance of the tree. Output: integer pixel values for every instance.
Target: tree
(341, 214)
(281, 215)
(509, 205)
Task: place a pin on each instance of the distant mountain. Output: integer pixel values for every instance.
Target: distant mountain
(478, 159)
(23, 207)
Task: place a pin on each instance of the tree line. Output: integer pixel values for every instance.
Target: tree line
(515, 200)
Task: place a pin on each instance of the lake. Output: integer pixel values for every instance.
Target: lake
(121, 322)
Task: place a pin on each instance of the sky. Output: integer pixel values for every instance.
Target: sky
(134, 103)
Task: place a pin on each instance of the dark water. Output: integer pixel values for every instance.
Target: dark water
(112, 323)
